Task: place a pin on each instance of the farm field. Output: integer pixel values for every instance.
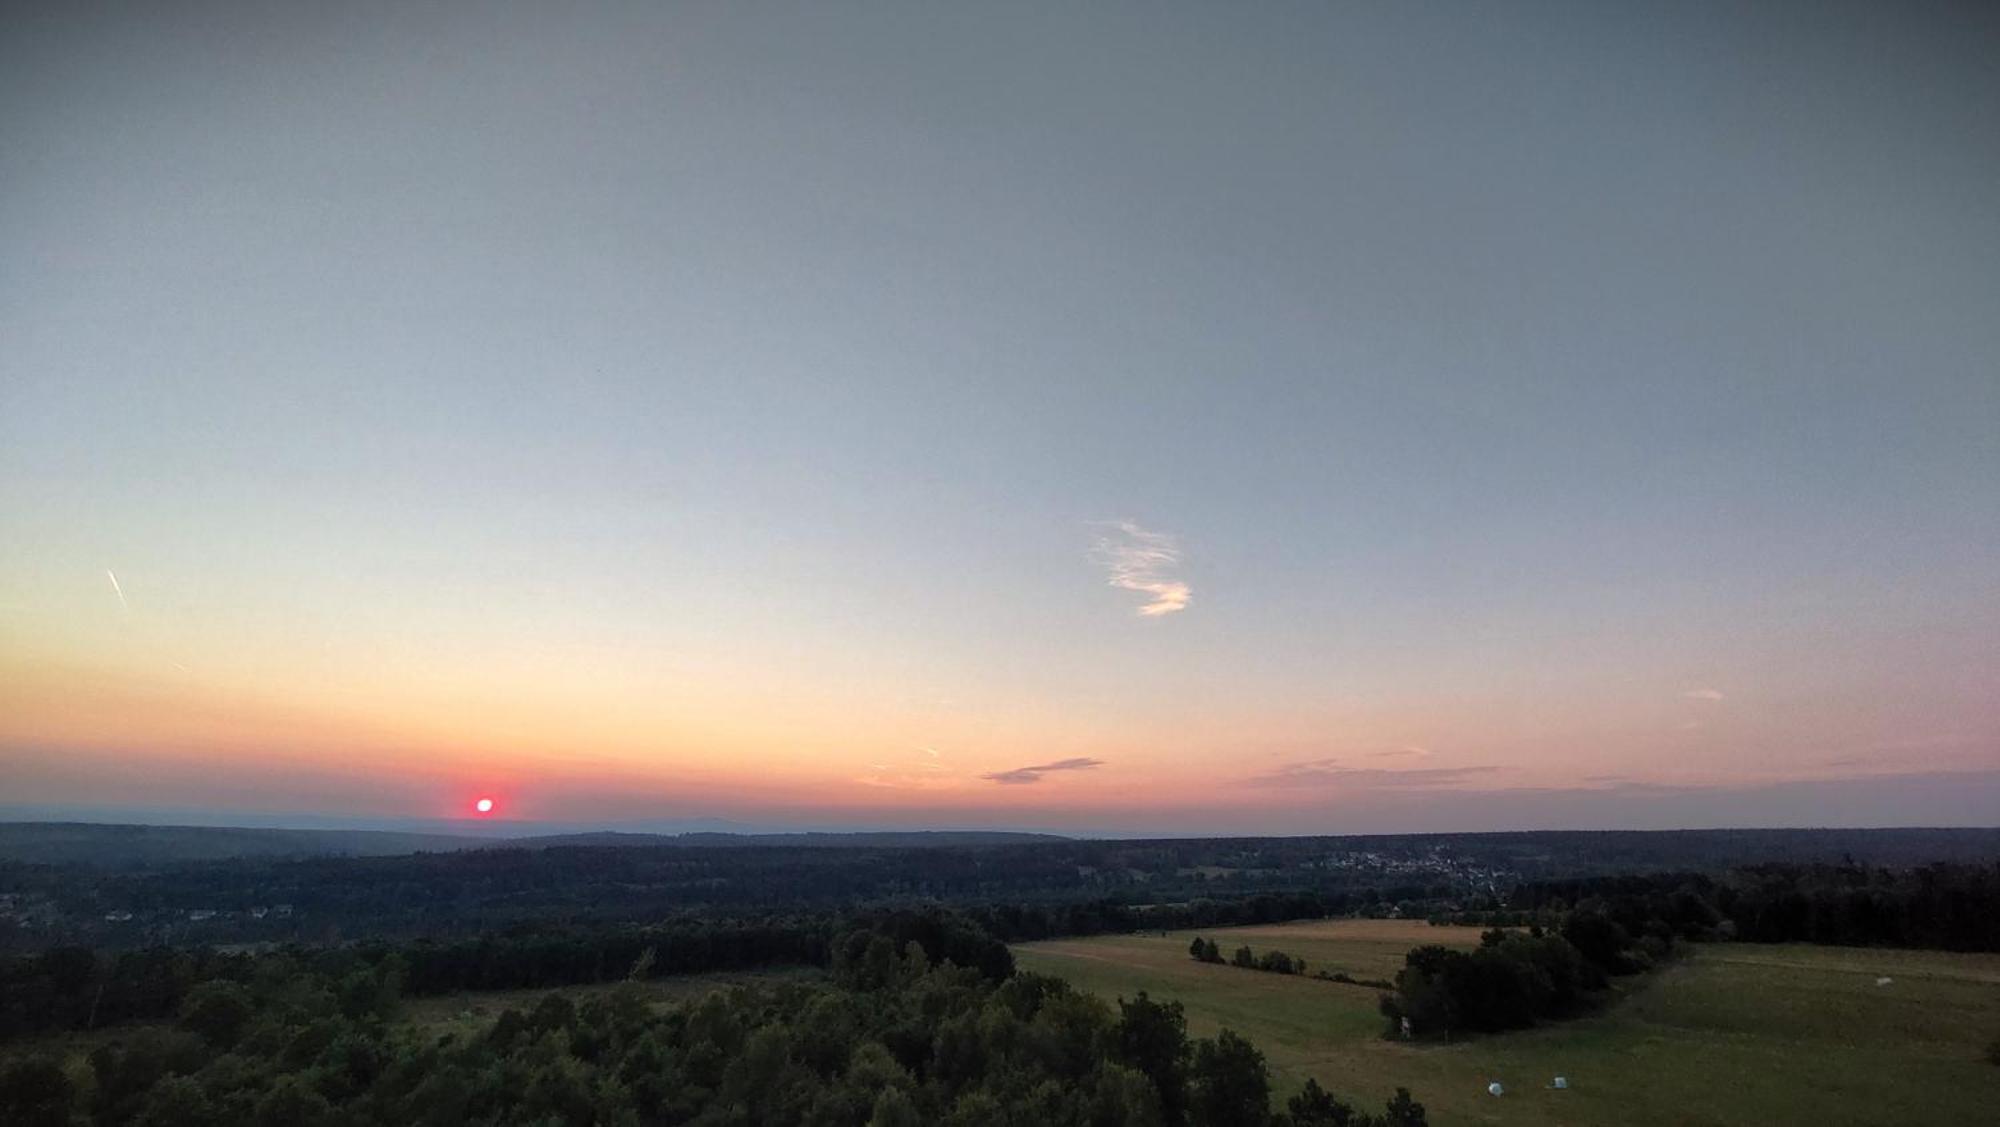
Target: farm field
(1734, 1034)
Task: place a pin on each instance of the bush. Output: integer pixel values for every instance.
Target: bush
(174, 1101)
(1274, 962)
(1277, 962)
(218, 1011)
(1405, 1112)
(35, 1092)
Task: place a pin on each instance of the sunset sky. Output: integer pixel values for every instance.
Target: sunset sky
(1119, 419)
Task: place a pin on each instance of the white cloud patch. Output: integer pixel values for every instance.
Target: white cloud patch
(1135, 559)
(1703, 694)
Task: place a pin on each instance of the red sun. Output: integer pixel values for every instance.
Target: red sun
(483, 806)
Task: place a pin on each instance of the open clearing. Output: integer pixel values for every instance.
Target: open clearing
(1735, 1034)
(476, 1009)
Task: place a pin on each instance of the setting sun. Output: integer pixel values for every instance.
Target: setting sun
(483, 806)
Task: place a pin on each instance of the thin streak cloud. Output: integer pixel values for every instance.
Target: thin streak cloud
(1410, 752)
(1135, 559)
(1330, 772)
(1704, 694)
(1021, 776)
(116, 589)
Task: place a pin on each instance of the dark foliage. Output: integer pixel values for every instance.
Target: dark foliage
(74, 988)
(35, 1092)
(1950, 907)
(1511, 981)
(898, 1036)
(1025, 888)
(1624, 925)
(1274, 962)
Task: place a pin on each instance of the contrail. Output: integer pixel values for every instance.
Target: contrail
(119, 591)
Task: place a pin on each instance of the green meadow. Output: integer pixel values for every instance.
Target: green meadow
(1733, 1034)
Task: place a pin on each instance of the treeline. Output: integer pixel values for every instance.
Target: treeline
(1618, 924)
(610, 881)
(79, 988)
(1062, 888)
(73, 988)
(896, 1038)
(1625, 925)
(1494, 917)
(1513, 980)
(1951, 907)
(1273, 962)
(1615, 926)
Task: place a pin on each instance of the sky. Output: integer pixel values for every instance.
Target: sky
(1163, 418)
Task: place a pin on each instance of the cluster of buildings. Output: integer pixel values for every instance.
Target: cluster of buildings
(41, 914)
(1434, 864)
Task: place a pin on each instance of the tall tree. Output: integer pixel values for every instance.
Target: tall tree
(1229, 1085)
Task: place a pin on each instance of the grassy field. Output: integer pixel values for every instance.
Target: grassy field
(1736, 1034)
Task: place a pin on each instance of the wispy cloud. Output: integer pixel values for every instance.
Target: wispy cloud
(1135, 559)
(116, 589)
(927, 773)
(1328, 772)
(1022, 775)
(1703, 694)
(889, 778)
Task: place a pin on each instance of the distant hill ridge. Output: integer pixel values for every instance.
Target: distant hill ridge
(119, 845)
(96, 843)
